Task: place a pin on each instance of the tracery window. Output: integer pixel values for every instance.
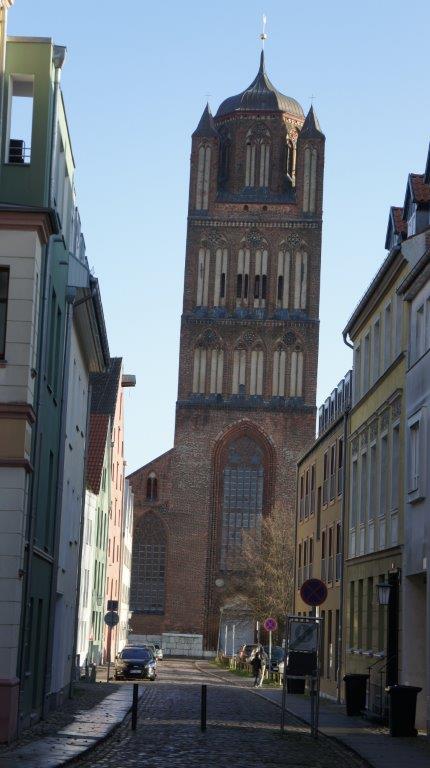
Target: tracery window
(203, 176)
(148, 573)
(217, 369)
(242, 499)
(199, 370)
(257, 372)
(296, 376)
(239, 371)
(152, 487)
(257, 151)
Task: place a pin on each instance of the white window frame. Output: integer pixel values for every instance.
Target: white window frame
(416, 470)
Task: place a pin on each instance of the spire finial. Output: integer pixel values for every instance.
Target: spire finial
(263, 33)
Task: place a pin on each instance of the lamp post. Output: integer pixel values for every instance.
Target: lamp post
(388, 594)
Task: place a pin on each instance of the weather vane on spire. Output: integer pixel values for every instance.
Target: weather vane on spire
(263, 34)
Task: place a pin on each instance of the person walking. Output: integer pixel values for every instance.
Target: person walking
(256, 668)
(264, 660)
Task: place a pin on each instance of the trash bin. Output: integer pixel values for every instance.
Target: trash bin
(402, 709)
(355, 693)
(295, 685)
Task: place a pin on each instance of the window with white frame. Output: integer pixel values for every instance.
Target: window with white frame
(376, 350)
(383, 490)
(357, 373)
(353, 506)
(373, 497)
(388, 332)
(366, 363)
(419, 332)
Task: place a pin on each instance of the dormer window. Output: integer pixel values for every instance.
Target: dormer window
(412, 220)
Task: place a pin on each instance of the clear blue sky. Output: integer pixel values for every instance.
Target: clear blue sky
(135, 84)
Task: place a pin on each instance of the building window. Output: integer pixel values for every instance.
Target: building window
(340, 467)
(256, 377)
(217, 369)
(419, 333)
(300, 279)
(376, 350)
(203, 278)
(363, 501)
(388, 332)
(20, 119)
(353, 506)
(357, 373)
(283, 280)
(199, 372)
(279, 367)
(417, 460)
(152, 487)
(325, 479)
(366, 363)
(296, 377)
(149, 566)
(338, 563)
(264, 164)
(332, 471)
(239, 372)
(220, 277)
(250, 164)
(383, 491)
(260, 278)
(242, 499)
(242, 281)
(4, 291)
(309, 180)
(203, 175)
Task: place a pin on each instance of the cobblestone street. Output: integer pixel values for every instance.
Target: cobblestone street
(242, 729)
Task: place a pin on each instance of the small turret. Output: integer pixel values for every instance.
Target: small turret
(311, 127)
(206, 127)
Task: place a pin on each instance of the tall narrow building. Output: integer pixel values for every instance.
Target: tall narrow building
(248, 360)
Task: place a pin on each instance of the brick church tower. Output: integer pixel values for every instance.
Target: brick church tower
(248, 358)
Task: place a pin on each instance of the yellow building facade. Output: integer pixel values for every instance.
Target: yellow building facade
(319, 539)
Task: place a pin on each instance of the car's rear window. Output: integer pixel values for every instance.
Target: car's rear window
(136, 653)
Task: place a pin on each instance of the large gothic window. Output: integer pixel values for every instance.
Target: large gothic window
(242, 281)
(309, 180)
(301, 280)
(203, 277)
(260, 278)
(296, 374)
(283, 284)
(148, 574)
(220, 287)
(242, 499)
(279, 366)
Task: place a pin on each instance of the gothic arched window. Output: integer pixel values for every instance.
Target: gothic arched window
(147, 592)
(203, 277)
(264, 163)
(217, 370)
(296, 376)
(243, 479)
(300, 279)
(309, 179)
(199, 370)
(283, 284)
(260, 278)
(220, 288)
(257, 151)
(257, 372)
(152, 487)
(279, 367)
(203, 177)
(239, 371)
(289, 159)
(242, 281)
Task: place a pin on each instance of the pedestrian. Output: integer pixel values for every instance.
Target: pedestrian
(256, 668)
(264, 660)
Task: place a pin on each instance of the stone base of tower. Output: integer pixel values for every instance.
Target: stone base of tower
(181, 552)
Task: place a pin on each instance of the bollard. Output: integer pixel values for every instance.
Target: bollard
(203, 708)
(134, 706)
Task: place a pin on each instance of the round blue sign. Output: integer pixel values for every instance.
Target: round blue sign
(313, 592)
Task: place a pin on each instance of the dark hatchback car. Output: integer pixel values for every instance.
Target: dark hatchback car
(277, 660)
(135, 662)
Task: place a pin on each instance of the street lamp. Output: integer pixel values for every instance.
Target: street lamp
(383, 591)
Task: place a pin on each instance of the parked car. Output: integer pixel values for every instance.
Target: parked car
(277, 658)
(135, 661)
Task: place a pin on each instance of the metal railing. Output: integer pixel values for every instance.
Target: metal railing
(377, 698)
(19, 154)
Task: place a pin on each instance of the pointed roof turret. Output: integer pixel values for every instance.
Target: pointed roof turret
(311, 126)
(206, 126)
(261, 95)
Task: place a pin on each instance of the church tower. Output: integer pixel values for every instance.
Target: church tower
(248, 358)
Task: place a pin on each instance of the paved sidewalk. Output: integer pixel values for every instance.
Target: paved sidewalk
(371, 742)
(89, 728)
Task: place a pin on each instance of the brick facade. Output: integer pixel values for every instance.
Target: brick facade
(190, 476)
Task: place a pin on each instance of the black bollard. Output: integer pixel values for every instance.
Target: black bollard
(134, 706)
(203, 708)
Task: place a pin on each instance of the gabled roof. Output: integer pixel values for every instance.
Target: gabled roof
(417, 191)
(99, 425)
(206, 126)
(261, 95)
(311, 126)
(396, 226)
(105, 388)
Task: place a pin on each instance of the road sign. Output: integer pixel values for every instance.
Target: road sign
(313, 592)
(270, 625)
(111, 618)
(112, 605)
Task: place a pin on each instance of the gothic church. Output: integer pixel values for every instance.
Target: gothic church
(248, 358)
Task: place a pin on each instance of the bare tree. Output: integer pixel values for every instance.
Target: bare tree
(265, 581)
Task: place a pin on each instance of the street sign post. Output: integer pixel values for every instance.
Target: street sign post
(270, 625)
(111, 619)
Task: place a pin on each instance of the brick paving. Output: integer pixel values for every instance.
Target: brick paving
(242, 729)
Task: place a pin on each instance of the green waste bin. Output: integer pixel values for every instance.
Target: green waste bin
(402, 709)
(355, 693)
